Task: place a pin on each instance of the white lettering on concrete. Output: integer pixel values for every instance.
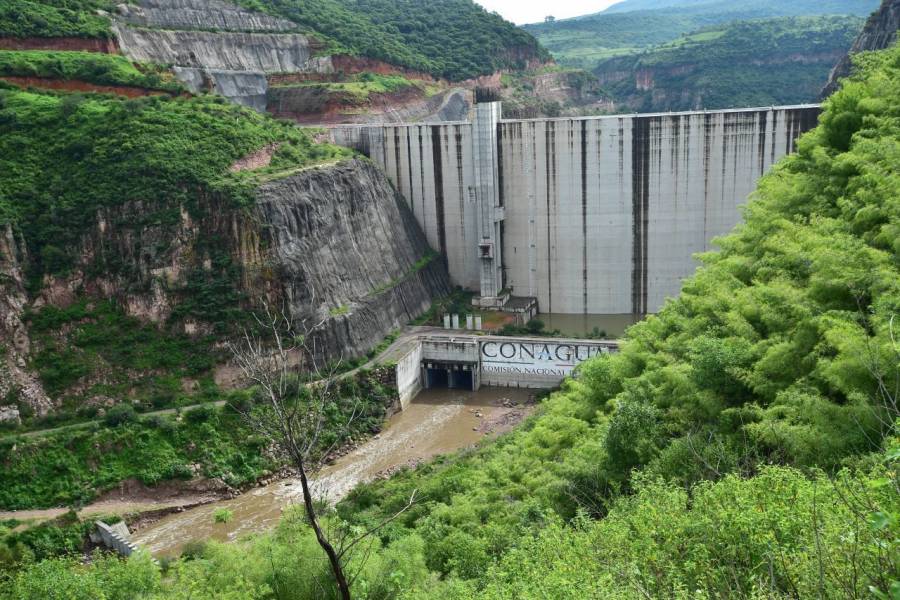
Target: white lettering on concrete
(533, 361)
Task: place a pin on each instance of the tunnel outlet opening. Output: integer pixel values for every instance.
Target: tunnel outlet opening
(454, 376)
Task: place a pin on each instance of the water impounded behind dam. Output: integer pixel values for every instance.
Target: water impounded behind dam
(593, 215)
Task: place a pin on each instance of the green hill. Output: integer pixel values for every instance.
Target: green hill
(628, 27)
(456, 39)
(747, 63)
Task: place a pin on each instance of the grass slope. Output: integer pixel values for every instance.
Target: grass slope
(55, 18)
(91, 67)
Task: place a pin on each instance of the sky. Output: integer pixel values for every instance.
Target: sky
(532, 11)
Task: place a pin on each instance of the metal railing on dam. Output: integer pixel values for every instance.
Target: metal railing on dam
(590, 215)
(460, 360)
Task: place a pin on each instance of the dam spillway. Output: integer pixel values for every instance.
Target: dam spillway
(590, 215)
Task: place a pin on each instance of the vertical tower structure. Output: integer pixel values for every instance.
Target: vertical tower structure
(488, 204)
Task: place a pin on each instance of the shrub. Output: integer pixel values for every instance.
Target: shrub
(201, 414)
(120, 414)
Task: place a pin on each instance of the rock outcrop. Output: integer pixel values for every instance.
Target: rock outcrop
(879, 33)
(349, 252)
(18, 386)
(320, 105)
(334, 244)
(230, 51)
(215, 46)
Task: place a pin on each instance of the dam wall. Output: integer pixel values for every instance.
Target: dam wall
(593, 215)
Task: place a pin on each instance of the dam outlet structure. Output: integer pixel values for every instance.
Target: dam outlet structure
(589, 215)
(440, 359)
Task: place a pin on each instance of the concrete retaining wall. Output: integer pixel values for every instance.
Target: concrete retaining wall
(115, 538)
(409, 375)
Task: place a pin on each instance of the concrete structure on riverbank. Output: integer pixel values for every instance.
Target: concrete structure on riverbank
(115, 537)
(594, 215)
(462, 361)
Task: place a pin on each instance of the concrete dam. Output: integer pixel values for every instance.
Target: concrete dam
(591, 215)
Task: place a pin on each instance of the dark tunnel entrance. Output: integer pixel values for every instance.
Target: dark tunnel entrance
(454, 376)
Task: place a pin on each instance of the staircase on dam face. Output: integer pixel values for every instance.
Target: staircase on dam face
(591, 215)
(457, 360)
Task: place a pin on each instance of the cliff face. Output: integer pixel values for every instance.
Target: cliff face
(879, 33)
(334, 244)
(263, 52)
(347, 250)
(216, 46)
(15, 378)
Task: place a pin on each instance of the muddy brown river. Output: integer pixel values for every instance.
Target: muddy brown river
(436, 422)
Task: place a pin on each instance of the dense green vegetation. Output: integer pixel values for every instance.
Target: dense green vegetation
(65, 156)
(456, 39)
(22, 543)
(108, 355)
(742, 444)
(54, 18)
(71, 467)
(791, 60)
(632, 27)
(92, 67)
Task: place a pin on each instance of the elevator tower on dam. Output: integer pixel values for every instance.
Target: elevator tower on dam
(592, 215)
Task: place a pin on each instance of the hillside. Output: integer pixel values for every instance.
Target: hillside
(747, 63)
(453, 39)
(138, 233)
(742, 444)
(879, 33)
(629, 27)
(334, 61)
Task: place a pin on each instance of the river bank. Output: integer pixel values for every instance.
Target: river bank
(437, 422)
(166, 517)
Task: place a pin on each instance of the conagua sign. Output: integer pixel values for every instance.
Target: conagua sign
(555, 359)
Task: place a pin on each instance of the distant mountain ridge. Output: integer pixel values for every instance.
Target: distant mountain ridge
(747, 63)
(634, 25)
(838, 6)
